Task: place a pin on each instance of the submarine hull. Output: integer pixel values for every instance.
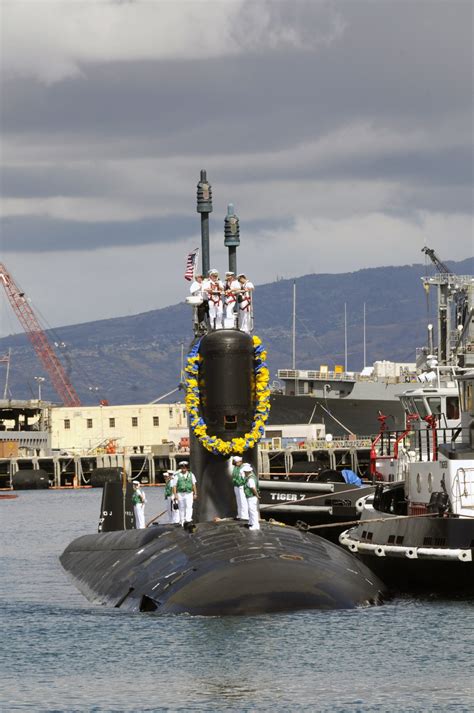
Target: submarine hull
(218, 569)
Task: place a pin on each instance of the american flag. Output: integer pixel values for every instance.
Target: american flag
(191, 261)
(4, 359)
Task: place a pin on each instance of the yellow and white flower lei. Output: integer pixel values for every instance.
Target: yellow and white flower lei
(262, 406)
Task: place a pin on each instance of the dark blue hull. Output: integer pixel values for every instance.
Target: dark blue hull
(218, 569)
(431, 555)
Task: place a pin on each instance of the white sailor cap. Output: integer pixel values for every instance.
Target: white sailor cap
(213, 272)
(183, 462)
(229, 273)
(247, 468)
(136, 482)
(237, 458)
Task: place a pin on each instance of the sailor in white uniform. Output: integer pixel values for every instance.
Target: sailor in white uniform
(251, 493)
(184, 489)
(171, 500)
(238, 481)
(197, 291)
(245, 303)
(138, 500)
(214, 290)
(231, 289)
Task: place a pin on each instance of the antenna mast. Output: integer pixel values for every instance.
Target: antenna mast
(455, 345)
(294, 326)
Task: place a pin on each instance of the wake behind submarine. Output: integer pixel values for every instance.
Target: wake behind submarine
(216, 565)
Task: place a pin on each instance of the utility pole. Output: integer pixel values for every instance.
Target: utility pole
(39, 380)
(7, 375)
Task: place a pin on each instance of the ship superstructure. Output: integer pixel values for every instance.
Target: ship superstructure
(432, 408)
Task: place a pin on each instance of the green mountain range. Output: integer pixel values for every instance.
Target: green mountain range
(137, 359)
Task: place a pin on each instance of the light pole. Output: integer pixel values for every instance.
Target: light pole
(39, 380)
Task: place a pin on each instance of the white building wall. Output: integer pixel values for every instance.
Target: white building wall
(310, 431)
(87, 428)
(392, 369)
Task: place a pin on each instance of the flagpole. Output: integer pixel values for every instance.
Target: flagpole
(195, 263)
(345, 337)
(365, 342)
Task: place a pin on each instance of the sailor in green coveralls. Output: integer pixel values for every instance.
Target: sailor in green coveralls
(251, 493)
(238, 481)
(171, 500)
(138, 500)
(184, 489)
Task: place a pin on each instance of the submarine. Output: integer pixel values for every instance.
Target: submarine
(215, 565)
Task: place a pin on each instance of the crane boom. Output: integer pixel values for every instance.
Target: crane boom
(39, 340)
(442, 268)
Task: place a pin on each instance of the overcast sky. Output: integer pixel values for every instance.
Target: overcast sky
(342, 131)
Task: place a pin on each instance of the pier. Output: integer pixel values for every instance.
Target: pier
(285, 463)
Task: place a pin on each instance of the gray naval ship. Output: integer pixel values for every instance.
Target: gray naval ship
(215, 565)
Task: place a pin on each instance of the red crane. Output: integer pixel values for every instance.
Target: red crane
(39, 340)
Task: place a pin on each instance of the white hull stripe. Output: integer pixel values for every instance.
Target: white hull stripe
(430, 553)
(287, 507)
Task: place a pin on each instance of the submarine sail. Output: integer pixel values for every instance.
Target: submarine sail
(227, 402)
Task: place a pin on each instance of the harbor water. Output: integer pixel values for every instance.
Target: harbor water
(61, 653)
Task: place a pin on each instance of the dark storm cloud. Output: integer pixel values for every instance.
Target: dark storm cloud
(257, 102)
(443, 166)
(398, 64)
(397, 69)
(453, 165)
(41, 234)
(55, 180)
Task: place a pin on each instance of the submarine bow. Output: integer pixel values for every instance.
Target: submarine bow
(219, 569)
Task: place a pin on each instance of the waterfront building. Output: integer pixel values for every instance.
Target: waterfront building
(137, 428)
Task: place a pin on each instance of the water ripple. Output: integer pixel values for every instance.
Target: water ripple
(62, 654)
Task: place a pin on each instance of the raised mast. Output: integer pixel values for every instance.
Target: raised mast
(204, 207)
(232, 237)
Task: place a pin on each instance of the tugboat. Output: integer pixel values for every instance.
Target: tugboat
(215, 564)
(431, 404)
(418, 534)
